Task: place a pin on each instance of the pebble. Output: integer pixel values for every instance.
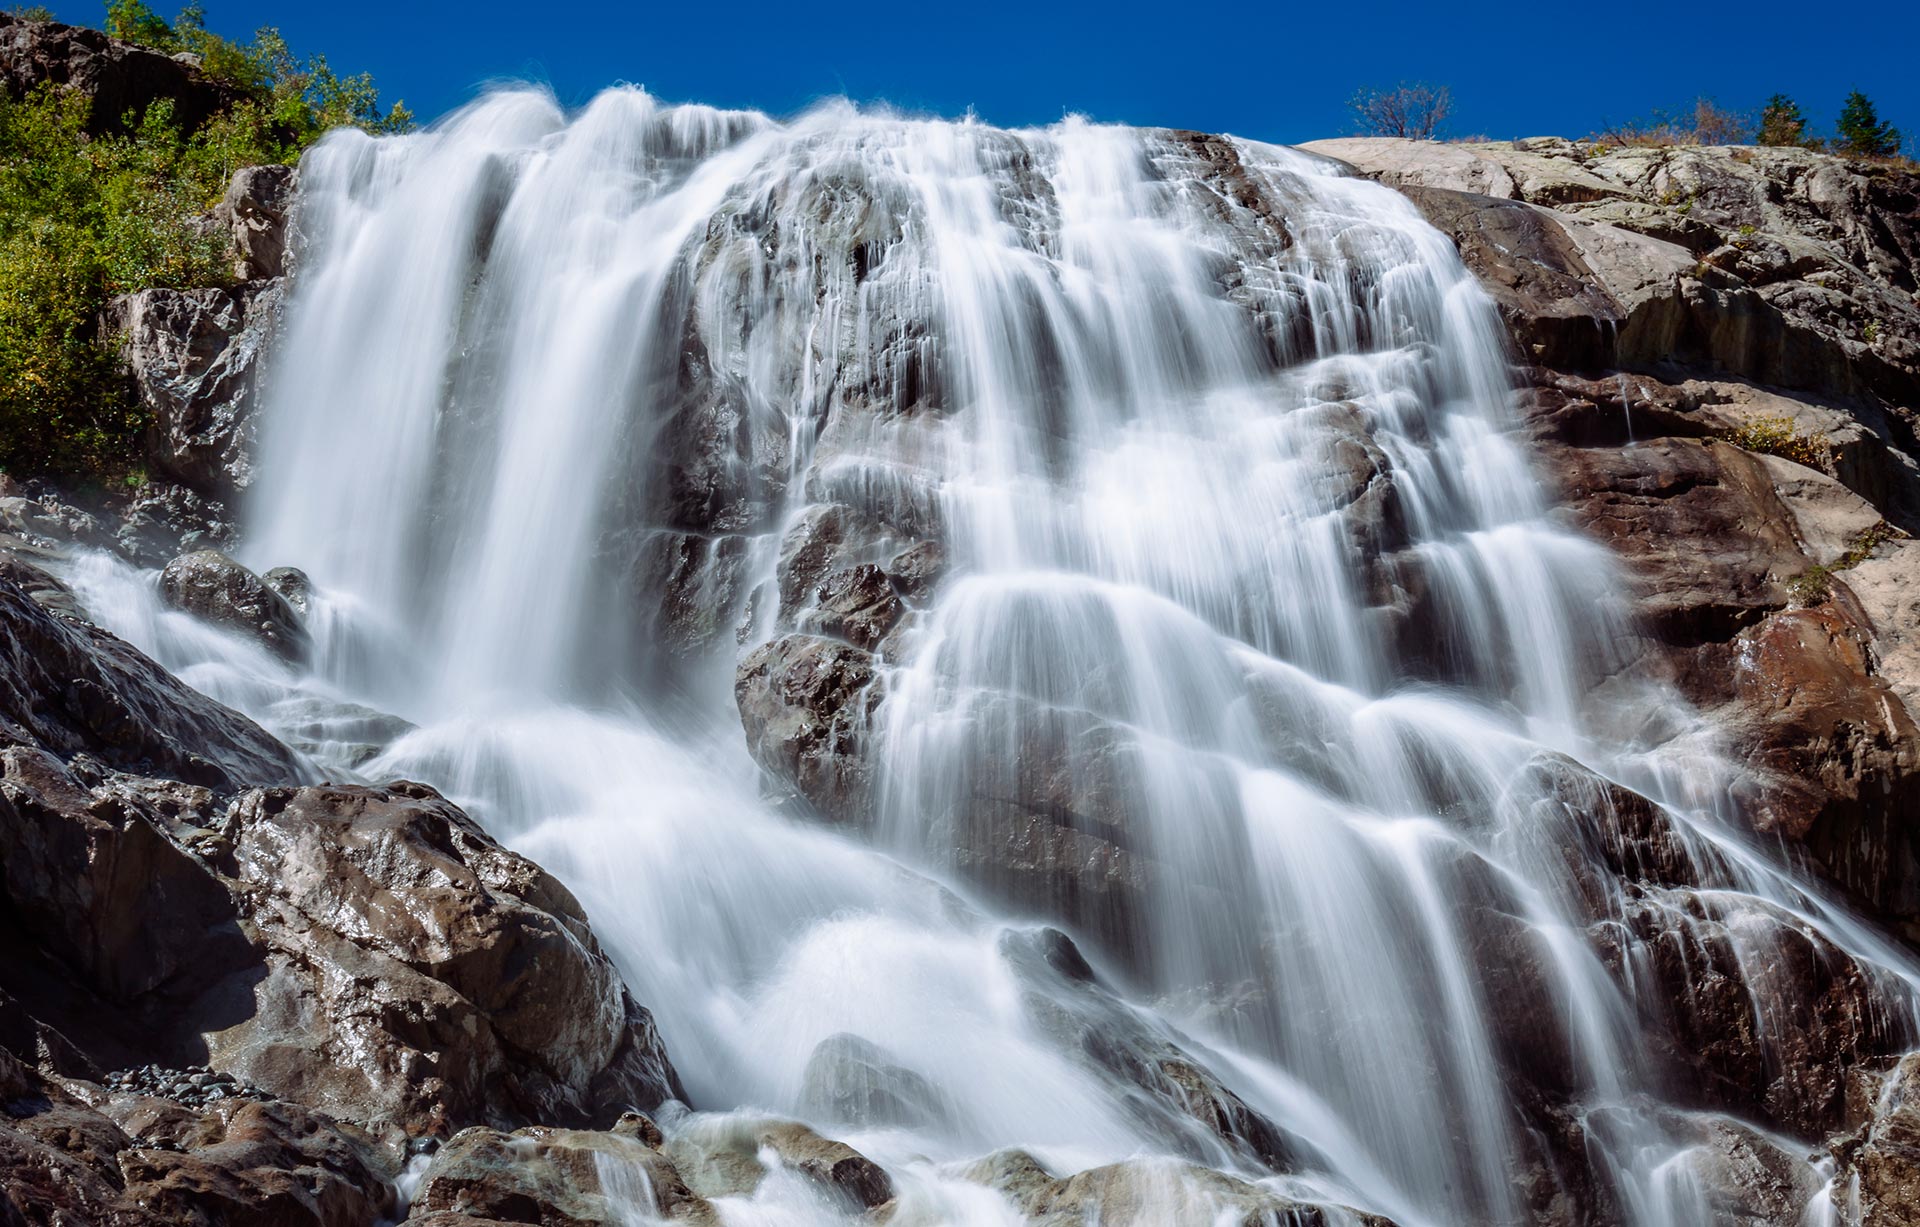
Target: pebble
(196, 1086)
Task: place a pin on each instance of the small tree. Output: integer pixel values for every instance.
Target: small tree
(1782, 122)
(1714, 126)
(1862, 132)
(1414, 110)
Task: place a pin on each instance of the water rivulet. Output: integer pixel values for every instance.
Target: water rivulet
(1175, 727)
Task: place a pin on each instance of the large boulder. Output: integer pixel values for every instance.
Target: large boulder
(256, 211)
(417, 972)
(212, 586)
(195, 358)
(71, 688)
(118, 78)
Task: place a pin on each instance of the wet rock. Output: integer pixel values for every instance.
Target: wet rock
(1753, 1012)
(834, 1165)
(554, 1177)
(1181, 1101)
(1882, 1159)
(1148, 1193)
(212, 586)
(195, 359)
(853, 1082)
(74, 689)
(418, 972)
(293, 586)
(722, 1158)
(807, 704)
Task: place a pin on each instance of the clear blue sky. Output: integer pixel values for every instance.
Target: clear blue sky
(1277, 71)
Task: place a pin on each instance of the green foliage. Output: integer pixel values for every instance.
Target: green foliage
(1863, 133)
(1782, 122)
(83, 218)
(298, 99)
(1775, 436)
(1815, 584)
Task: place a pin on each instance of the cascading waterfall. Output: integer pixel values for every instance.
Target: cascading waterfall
(1255, 657)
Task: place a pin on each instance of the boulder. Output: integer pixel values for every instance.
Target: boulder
(195, 357)
(213, 587)
(118, 78)
(417, 972)
(556, 1178)
(255, 210)
(70, 689)
(807, 704)
(851, 1081)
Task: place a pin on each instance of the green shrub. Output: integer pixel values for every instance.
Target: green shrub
(83, 218)
(1775, 436)
(1815, 584)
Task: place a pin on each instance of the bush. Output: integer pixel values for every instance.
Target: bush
(1775, 436)
(85, 218)
(1704, 123)
(1413, 110)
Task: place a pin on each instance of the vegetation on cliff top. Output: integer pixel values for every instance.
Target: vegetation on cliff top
(83, 218)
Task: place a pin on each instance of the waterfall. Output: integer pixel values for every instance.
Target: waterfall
(1168, 494)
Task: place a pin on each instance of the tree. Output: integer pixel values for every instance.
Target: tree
(1863, 133)
(1414, 110)
(1782, 122)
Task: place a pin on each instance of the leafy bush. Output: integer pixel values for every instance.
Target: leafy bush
(1775, 436)
(1411, 109)
(83, 218)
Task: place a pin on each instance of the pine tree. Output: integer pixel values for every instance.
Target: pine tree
(1782, 122)
(1863, 133)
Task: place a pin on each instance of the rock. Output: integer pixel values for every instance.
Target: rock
(255, 209)
(73, 689)
(1150, 1192)
(834, 1165)
(853, 1082)
(293, 586)
(117, 78)
(1882, 1159)
(212, 586)
(1751, 1011)
(418, 972)
(251, 1162)
(195, 360)
(554, 1177)
(722, 1158)
(807, 704)
(1807, 282)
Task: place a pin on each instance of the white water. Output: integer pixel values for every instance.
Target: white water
(1132, 413)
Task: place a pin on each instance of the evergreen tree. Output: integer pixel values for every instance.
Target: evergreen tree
(1782, 122)
(1863, 133)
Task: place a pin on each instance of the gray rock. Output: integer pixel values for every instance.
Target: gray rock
(195, 360)
(212, 586)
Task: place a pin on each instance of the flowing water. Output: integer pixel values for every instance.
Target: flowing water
(1257, 660)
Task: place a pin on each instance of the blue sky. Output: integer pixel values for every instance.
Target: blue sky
(1277, 71)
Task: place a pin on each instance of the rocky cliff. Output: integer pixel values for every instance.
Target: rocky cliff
(1723, 349)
